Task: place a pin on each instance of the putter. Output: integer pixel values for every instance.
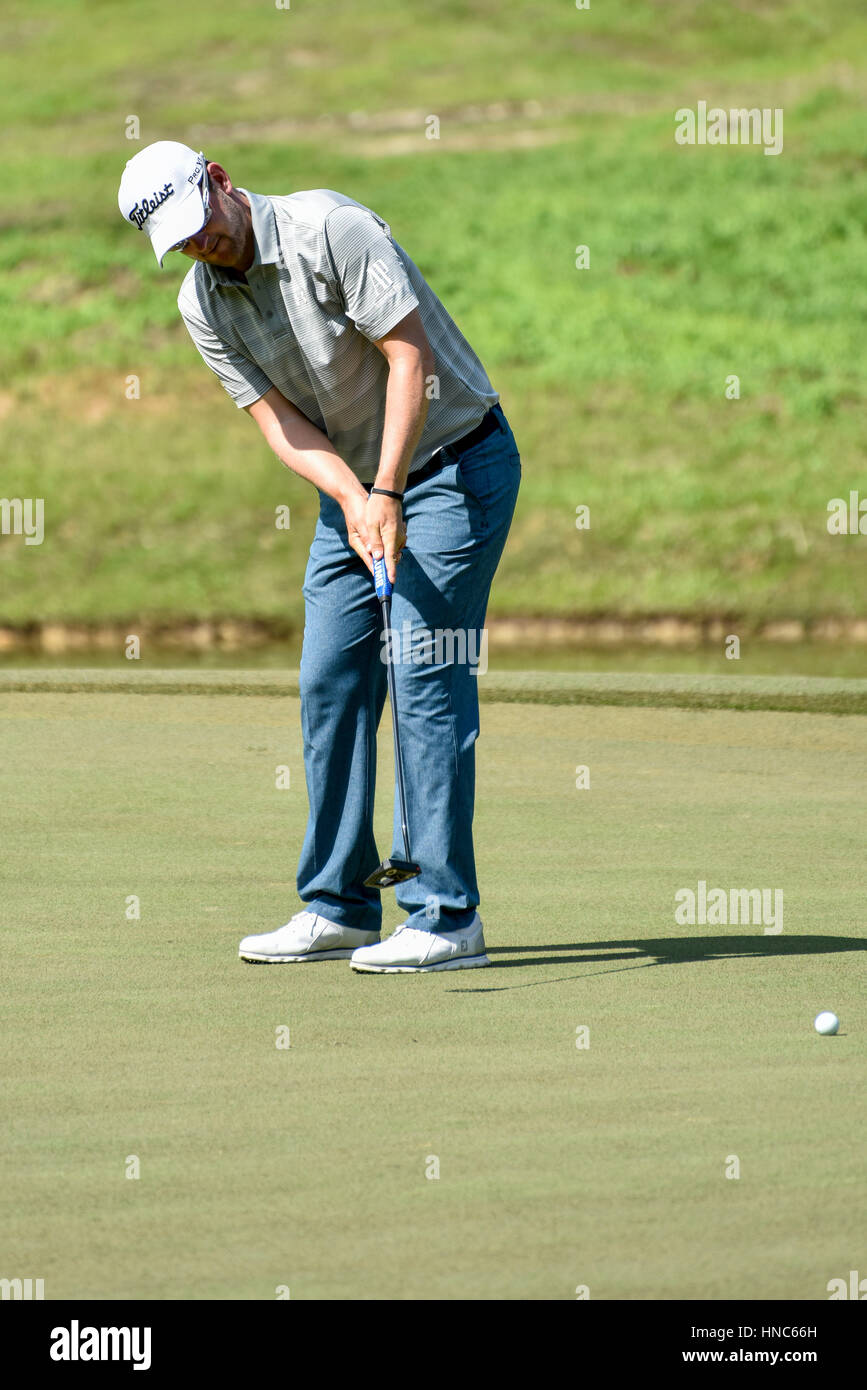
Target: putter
(392, 871)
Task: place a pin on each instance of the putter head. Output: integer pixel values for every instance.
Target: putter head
(390, 872)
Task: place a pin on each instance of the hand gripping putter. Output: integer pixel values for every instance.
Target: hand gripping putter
(392, 871)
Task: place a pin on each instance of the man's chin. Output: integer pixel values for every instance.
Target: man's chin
(221, 253)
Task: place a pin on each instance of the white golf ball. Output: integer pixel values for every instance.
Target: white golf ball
(826, 1023)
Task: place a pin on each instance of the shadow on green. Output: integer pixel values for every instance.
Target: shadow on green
(676, 950)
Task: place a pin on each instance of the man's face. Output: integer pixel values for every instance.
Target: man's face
(227, 237)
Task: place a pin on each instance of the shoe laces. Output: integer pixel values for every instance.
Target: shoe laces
(298, 916)
(417, 931)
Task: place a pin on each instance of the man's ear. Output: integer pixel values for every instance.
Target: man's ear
(218, 175)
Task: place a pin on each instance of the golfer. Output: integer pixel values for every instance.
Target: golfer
(322, 328)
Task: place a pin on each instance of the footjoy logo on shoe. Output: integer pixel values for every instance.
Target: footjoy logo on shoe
(76, 1343)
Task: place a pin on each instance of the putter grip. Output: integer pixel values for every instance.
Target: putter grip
(381, 580)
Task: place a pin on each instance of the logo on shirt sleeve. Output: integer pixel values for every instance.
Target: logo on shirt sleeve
(381, 277)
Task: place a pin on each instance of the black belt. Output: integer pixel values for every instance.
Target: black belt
(486, 426)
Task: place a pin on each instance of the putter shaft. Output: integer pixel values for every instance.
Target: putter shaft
(398, 760)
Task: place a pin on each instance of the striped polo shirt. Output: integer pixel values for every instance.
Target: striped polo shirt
(326, 280)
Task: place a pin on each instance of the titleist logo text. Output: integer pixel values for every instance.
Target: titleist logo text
(142, 211)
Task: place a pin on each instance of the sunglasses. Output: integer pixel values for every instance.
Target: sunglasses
(206, 202)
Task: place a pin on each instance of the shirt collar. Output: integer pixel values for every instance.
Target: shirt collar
(265, 241)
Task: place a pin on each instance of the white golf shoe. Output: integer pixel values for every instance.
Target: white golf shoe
(306, 937)
(409, 949)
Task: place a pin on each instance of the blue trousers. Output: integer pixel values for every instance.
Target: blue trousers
(457, 521)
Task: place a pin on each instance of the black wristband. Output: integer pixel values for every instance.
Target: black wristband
(386, 492)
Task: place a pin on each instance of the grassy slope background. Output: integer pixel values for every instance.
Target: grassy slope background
(704, 262)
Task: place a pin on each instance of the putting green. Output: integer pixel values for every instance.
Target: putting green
(559, 1165)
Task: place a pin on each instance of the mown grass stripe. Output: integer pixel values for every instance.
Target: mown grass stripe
(807, 694)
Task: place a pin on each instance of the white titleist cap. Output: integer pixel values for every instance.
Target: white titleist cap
(161, 194)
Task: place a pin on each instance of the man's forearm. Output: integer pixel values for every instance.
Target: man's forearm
(324, 468)
(406, 407)
(303, 448)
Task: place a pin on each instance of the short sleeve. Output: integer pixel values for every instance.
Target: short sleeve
(241, 378)
(370, 274)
